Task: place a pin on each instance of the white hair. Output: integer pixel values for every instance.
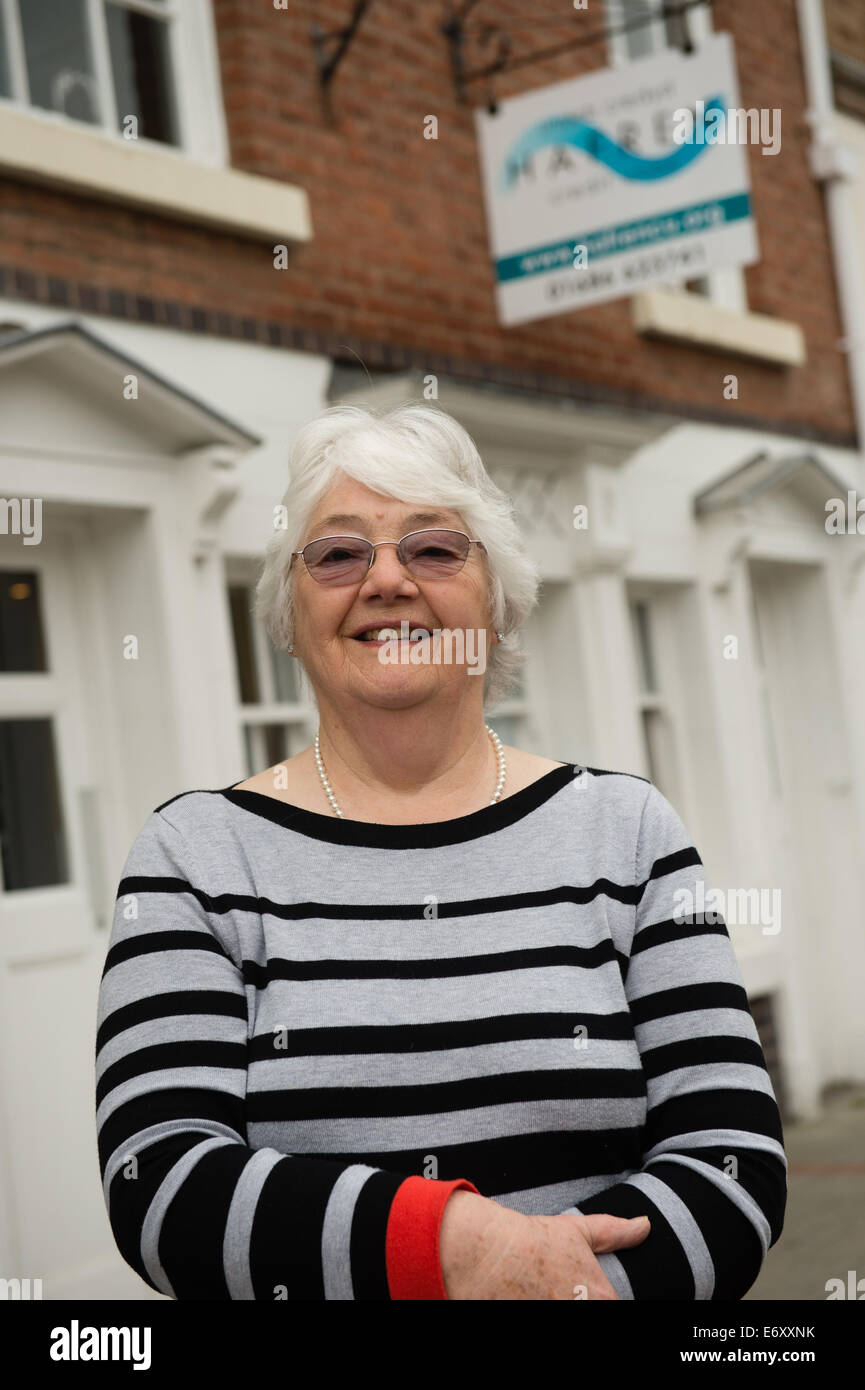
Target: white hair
(414, 453)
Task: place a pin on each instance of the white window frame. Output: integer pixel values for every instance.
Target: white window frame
(299, 717)
(197, 90)
(617, 15)
(665, 700)
(725, 287)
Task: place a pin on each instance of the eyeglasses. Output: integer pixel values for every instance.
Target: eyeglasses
(347, 559)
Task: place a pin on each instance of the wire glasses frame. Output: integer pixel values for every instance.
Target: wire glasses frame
(359, 564)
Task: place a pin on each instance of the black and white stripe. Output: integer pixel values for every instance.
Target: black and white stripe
(306, 1010)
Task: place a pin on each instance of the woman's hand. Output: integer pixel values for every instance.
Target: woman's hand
(490, 1252)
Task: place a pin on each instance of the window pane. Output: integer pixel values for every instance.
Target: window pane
(22, 644)
(275, 744)
(249, 752)
(32, 837)
(638, 41)
(59, 58)
(244, 652)
(265, 745)
(508, 727)
(676, 30)
(661, 753)
(284, 674)
(644, 648)
(141, 64)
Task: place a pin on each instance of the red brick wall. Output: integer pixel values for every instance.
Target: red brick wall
(845, 27)
(399, 256)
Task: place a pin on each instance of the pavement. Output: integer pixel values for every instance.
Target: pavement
(824, 1226)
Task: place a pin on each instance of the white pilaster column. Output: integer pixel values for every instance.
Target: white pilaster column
(610, 679)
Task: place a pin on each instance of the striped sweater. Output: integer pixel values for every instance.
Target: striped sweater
(311, 1030)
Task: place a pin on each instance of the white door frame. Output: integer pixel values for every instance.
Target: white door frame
(50, 925)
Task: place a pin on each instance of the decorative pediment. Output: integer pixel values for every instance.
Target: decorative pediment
(66, 392)
(789, 487)
(774, 508)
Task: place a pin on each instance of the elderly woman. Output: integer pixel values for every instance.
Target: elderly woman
(415, 1014)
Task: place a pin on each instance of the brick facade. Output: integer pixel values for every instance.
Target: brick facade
(398, 268)
(845, 28)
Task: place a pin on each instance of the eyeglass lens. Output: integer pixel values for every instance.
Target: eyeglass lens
(426, 554)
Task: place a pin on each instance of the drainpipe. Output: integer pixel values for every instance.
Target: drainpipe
(835, 167)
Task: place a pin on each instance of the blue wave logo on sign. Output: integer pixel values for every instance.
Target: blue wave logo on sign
(567, 130)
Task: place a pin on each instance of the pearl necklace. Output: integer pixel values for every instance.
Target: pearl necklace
(497, 745)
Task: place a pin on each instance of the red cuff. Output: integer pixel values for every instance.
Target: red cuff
(412, 1241)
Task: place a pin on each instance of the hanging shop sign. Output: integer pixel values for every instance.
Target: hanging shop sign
(604, 184)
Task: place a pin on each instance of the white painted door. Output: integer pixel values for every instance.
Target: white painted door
(812, 811)
(54, 906)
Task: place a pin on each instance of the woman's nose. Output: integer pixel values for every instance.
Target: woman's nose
(386, 567)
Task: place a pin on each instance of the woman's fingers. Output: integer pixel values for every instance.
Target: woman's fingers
(606, 1233)
(531, 1257)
